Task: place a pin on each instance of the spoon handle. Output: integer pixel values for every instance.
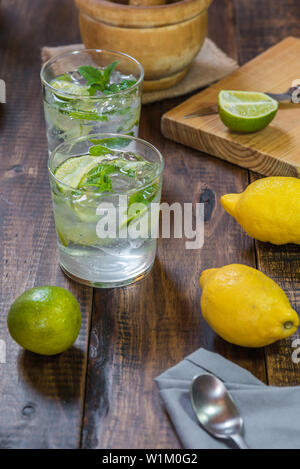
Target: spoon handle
(239, 441)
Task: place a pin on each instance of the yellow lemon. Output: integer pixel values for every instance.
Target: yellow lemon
(245, 307)
(268, 210)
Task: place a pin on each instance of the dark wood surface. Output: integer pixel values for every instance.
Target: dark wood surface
(101, 393)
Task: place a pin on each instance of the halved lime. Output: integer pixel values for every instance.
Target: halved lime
(246, 111)
(74, 169)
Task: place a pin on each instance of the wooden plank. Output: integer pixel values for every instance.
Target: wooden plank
(221, 26)
(139, 331)
(41, 399)
(272, 151)
(282, 263)
(260, 25)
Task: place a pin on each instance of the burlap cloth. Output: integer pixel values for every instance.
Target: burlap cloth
(210, 65)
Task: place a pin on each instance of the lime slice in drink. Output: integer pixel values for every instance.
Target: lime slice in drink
(81, 234)
(246, 111)
(73, 170)
(69, 87)
(70, 128)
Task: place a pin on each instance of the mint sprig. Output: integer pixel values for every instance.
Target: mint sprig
(99, 177)
(99, 80)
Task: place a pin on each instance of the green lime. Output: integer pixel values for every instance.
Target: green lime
(73, 170)
(45, 320)
(246, 111)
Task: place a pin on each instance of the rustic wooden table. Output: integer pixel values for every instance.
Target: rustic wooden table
(101, 393)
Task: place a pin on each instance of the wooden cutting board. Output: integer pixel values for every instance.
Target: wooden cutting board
(274, 150)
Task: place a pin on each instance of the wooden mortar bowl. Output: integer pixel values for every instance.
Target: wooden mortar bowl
(163, 38)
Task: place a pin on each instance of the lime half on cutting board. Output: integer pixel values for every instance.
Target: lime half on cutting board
(246, 111)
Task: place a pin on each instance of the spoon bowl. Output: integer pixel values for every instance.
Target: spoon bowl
(216, 410)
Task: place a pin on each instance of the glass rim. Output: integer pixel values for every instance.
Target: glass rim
(77, 52)
(109, 135)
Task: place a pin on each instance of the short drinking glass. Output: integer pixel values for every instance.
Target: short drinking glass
(91, 90)
(106, 192)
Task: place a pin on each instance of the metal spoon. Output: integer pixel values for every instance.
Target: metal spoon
(216, 410)
(292, 95)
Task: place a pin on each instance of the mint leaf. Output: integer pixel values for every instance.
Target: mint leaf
(92, 89)
(116, 87)
(113, 88)
(91, 116)
(96, 172)
(91, 74)
(103, 183)
(126, 84)
(144, 196)
(98, 150)
(99, 177)
(108, 71)
(112, 143)
(97, 80)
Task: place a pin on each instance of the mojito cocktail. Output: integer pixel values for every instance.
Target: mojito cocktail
(91, 91)
(106, 192)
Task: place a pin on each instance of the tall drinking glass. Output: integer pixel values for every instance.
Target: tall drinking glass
(106, 192)
(91, 90)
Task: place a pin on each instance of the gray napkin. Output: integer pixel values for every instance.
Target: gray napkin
(271, 414)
